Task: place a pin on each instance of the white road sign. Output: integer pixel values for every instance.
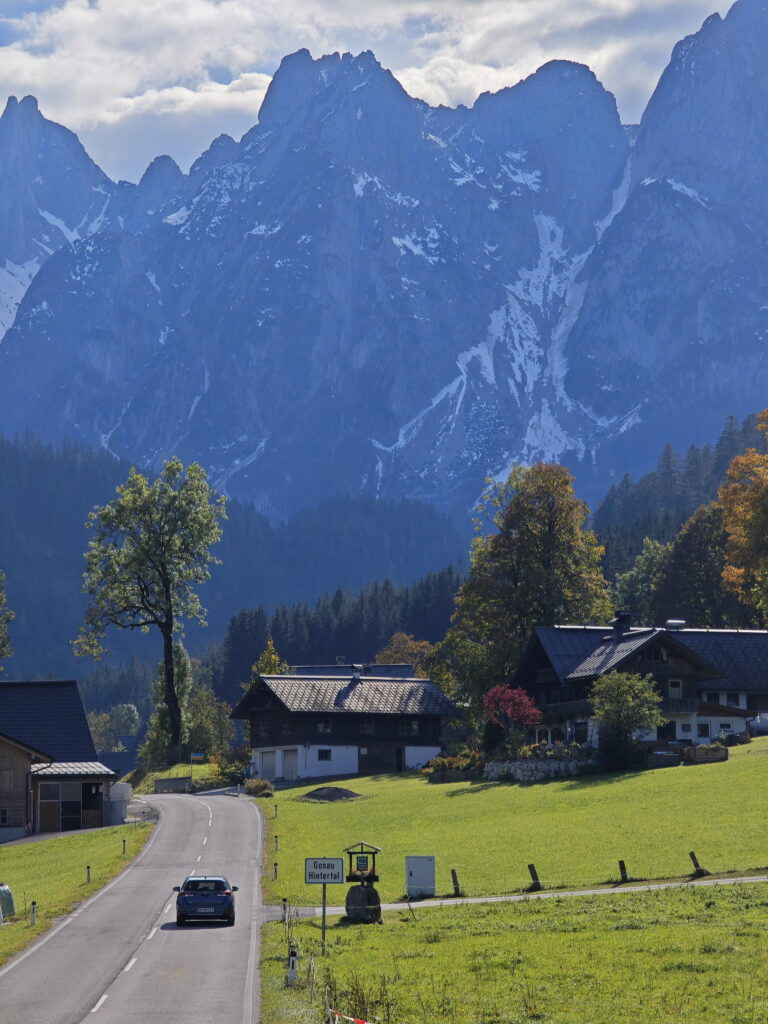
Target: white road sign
(324, 870)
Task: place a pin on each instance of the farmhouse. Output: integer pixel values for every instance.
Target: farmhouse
(343, 720)
(712, 681)
(50, 778)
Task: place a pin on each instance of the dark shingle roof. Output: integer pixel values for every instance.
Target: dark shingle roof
(568, 647)
(610, 653)
(370, 695)
(47, 715)
(741, 655)
(737, 658)
(38, 755)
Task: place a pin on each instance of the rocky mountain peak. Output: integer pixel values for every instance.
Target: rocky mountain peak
(714, 94)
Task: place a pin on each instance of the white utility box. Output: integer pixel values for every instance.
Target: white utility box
(420, 876)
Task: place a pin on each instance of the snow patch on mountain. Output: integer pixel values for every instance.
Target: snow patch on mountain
(15, 278)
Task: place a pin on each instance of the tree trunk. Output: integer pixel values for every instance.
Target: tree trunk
(171, 698)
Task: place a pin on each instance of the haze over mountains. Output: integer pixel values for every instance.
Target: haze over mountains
(369, 296)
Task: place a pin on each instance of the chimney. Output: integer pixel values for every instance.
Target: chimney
(622, 623)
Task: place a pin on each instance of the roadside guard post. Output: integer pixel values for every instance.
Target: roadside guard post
(324, 871)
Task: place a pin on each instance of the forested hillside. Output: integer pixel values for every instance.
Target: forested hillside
(341, 626)
(47, 493)
(657, 505)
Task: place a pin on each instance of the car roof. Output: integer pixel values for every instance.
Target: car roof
(206, 878)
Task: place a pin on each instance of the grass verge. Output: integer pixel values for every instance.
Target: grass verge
(204, 776)
(691, 954)
(52, 872)
(575, 831)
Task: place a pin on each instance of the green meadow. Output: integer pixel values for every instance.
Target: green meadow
(52, 872)
(681, 956)
(575, 831)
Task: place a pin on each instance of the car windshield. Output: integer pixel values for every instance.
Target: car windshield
(205, 885)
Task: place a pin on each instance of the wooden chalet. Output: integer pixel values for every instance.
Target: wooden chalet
(343, 720)
(50, 777)
(712, 681)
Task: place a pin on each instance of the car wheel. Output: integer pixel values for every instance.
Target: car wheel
(231, 920)
(180, 920)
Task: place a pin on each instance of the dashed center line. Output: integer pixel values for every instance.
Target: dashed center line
(199, 859)
(167, 909)
(205, 840)
(100, 1003)
(129, 965)
(151, 934)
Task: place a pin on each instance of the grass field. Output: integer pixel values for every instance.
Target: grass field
(683, 956)
(52, 872)
(574, 831)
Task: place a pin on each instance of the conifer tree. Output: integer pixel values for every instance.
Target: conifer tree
(269, 664)
(689, 583)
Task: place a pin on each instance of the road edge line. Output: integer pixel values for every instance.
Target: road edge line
(20, 957)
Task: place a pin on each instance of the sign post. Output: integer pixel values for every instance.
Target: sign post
(324, 871)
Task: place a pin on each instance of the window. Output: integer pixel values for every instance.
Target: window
(703, 730)
(713, 698)
(5, 816)
(409, 727)
(685, 727)
(674, 687)
(324, 726)
(49, 791)
(732, 699)
(324, 755)
(263, 728)
(286, 728)
(368, 727)
(725, 727)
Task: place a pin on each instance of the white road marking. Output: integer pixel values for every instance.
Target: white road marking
(205, 840)
(129, 965)
(151, 934)
(167, 909)
(100, 1003)
(199, 859)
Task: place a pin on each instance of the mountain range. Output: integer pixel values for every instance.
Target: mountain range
(367, 295)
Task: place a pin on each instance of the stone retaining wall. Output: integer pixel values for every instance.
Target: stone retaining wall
(536, 770)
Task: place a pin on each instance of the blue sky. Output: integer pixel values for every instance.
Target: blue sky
(135, 78)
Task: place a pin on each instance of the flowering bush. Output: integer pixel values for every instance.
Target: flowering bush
(465, 761)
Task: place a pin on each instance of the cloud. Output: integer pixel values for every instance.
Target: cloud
(134, 79)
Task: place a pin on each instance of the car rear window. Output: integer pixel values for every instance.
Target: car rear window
(205, 885)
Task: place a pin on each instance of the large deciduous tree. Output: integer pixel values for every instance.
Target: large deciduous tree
(402, 649)
(623, 704)
(150, 547)
(744, 504)
(6, 616)
(635, 588)
(537, 567)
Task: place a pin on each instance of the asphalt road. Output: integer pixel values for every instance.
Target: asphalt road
(120, 959)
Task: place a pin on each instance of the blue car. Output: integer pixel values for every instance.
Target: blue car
(205, 897)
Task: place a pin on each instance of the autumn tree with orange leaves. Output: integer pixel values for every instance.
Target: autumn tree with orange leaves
(744, 503)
